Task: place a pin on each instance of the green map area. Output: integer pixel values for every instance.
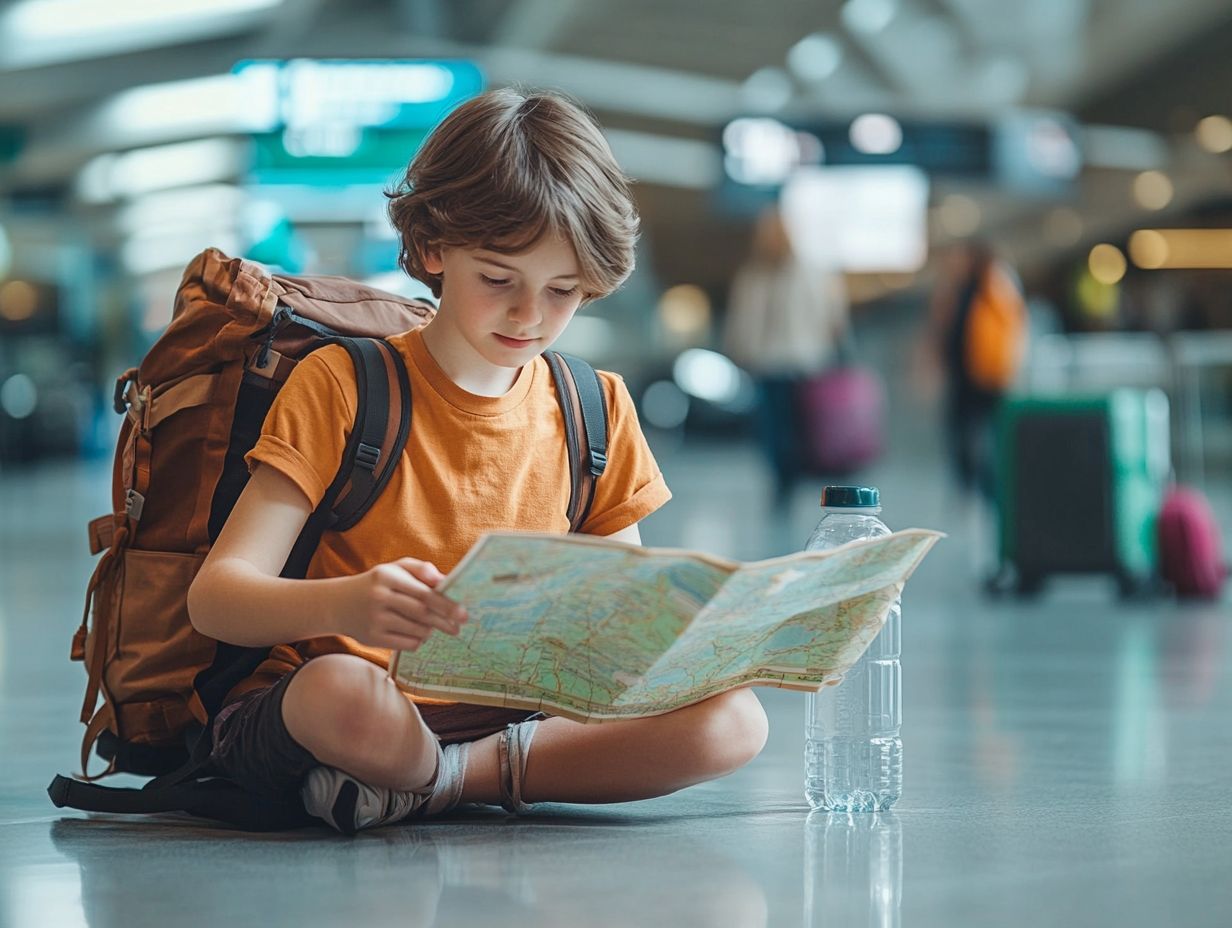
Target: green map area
(593, 629)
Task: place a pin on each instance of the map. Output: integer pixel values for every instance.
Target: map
(596, 630)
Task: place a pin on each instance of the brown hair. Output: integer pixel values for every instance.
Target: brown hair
(506, 168)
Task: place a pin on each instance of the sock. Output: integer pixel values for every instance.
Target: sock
(513, 749)
(447, 785)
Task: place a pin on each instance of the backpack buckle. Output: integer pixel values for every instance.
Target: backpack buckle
(367, 456)
(134, 504)
(598, 463)
(117, 398)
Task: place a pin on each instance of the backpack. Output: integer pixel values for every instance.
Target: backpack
(1190, 550)
(994, 331)
(193, 408)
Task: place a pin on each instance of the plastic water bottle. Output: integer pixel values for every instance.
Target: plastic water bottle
(853, 755)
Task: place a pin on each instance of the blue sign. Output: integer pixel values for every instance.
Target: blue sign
(384, 93)
(341, 122)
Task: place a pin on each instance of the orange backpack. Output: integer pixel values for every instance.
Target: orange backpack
(995, 331)
(193, 408)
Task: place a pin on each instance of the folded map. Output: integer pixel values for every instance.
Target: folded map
(595, 630)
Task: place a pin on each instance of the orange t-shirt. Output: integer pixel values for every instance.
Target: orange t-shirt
(472, 464)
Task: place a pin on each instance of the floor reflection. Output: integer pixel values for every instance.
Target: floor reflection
(533, 874)
(853, 870)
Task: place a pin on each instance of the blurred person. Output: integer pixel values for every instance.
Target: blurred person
(977, 326)
(514, 212)
(785, 322)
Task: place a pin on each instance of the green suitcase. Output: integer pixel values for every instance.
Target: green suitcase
(1080, 483)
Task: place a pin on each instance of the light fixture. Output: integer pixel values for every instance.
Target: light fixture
(42, 32)
(112, 177)
(1215, 134)
(685, 310)
(1148, 249)
(815, 57)
(707, 375)
(868, 16)
(876, 134)
(18, 396)
(214, 105)
(63, 19)
(18, 301)
(1106, 263)
(1192, 249)
(761, 150)
(1153, 189)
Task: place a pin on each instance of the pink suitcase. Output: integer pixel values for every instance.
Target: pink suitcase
(1190, 550)
(842, 415)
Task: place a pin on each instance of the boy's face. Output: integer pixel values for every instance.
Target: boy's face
(508, 308)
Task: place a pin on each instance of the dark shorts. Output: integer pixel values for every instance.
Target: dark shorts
(253, 747)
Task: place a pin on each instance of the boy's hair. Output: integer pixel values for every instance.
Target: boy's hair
(506, 168)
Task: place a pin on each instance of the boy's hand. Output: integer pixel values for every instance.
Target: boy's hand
(395, 605)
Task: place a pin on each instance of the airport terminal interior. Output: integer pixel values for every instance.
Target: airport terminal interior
(859, 180)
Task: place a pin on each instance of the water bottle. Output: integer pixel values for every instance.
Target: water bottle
(853, 755)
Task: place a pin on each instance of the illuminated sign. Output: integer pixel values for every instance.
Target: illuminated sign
(1026, 151)
(859, 219)
(351, 121)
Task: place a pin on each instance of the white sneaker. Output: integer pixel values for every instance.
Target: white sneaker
(350, 805)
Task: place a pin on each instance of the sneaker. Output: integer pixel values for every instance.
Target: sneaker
(349, 805)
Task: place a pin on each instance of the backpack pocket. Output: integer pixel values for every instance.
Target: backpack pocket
(155, 653)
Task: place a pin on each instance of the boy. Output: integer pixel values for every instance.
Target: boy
(515, 213)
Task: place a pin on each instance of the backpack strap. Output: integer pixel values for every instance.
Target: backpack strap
(382, 426)
(378, 435)
(215, 799)
(582, 403)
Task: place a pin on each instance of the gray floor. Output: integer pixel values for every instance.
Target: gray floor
(1066, 764)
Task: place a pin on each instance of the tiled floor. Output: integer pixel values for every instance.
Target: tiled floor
(1066, 764)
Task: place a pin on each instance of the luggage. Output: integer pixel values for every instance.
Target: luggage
(841, 420)
(1079, 485)
(193, 408)
(1190, 549)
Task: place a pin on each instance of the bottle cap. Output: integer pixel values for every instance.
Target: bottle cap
(851, 497)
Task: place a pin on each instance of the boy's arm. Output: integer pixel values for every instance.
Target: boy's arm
(238, 596)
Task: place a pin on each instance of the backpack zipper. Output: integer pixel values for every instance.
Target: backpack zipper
(284, 315)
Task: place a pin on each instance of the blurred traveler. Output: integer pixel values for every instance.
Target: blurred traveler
(785, 320)
(977, 336)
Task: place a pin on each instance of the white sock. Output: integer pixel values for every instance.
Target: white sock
(450, 775)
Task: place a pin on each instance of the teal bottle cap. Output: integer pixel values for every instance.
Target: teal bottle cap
(851, 497)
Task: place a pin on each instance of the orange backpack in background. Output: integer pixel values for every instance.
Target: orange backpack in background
(995, 331)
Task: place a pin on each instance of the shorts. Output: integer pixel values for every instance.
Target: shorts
(253, 748)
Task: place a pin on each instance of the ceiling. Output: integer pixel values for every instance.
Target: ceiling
(663, 75)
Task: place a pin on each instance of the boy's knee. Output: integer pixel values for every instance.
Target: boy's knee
(733, 731)
(336, 695)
